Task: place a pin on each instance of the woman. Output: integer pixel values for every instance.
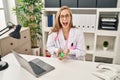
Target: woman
(66, 41)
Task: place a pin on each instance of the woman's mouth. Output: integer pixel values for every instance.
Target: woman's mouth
(65, 23)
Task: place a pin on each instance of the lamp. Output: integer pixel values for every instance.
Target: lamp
(14, 34)
(9, 27)
(3, 64)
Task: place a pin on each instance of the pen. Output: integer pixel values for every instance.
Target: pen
(73, 47)
(71, 44)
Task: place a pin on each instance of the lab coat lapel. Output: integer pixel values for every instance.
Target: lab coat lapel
(71, 37)
(62, 39)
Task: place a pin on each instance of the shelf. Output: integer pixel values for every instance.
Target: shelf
(89, 40)
(74, 10)
(87, 31)
(90, 51)
(111, 40)
(104, 59)
(88, 20)
(108, 9)
(51, 9)
(100, 48)
(47, 29)
(107, 32)
(79, 9)
(56, 9)
(108, 54)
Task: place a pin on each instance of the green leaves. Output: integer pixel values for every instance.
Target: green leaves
(29, 14)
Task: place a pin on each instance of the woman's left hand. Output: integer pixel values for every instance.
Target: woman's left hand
(66, 52)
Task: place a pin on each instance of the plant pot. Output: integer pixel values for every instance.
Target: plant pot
(36, 51)
(105, 48)
(87, 47)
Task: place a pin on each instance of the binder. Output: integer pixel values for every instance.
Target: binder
(50, 20)
(84, 21)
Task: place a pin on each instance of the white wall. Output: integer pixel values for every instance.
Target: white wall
(117, 59)
(118, 3)
(12, 15)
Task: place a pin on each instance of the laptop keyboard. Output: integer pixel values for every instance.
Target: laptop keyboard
(37, 69)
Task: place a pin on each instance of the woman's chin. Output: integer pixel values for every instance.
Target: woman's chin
(65, 26)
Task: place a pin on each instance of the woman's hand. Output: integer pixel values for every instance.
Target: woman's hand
(58, 52)
(66, 52)
(50, 31)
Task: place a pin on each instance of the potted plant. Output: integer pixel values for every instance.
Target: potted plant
(87, 47)
(29, 14)
(105, 45)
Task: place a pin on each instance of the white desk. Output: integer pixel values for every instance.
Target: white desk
(64, 70)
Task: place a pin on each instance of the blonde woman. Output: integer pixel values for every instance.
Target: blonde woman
(65, 40)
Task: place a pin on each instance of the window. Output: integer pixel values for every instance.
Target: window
(2, 15)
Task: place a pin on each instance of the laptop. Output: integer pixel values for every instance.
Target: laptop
(36, 66)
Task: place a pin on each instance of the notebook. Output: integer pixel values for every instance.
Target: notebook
(36, 66)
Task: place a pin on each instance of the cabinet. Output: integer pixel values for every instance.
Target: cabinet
(88, 19)
(22, 45)
(82, 3)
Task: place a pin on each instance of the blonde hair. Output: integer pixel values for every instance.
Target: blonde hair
(57, 24)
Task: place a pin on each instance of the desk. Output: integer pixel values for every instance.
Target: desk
(64, 70)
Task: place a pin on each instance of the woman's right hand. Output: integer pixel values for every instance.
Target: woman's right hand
(65, 52)
(58, 52)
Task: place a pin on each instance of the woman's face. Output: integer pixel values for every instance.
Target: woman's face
(65, 18)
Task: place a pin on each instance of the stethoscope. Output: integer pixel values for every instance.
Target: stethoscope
(72, 46)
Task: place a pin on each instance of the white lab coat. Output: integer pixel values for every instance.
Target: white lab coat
(76, 37)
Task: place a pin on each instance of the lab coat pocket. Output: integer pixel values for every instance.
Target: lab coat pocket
(73, 46)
